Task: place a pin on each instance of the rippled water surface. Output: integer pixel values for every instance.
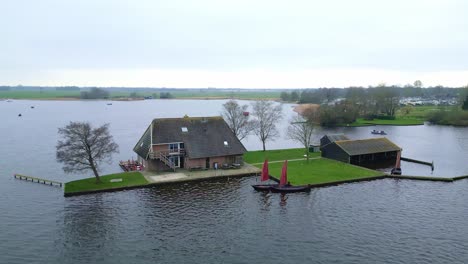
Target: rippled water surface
(223, 221)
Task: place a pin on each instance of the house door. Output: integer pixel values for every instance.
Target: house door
(207, 165)
(175, 161)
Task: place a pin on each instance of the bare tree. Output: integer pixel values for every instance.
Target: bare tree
(82, 147)
(418, 84)
(266, 116)
(301, 131)
(237, 118)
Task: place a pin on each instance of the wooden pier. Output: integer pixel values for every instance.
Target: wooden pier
(419, 162)
(37, 180)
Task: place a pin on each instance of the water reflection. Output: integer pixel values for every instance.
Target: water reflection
(283, 199)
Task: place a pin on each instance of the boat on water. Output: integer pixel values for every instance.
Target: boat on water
(263, 187)
(264, 176)
(397, 169)
(284, 186)
(291, 189)
(378, 132)
(109, 103)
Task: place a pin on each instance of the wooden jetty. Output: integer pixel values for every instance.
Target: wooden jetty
(38, 180)
(419, 162)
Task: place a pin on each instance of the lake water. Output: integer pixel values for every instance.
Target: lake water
(220, 221)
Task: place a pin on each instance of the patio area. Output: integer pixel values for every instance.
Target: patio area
(181, 175)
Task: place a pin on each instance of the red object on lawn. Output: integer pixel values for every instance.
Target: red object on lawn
(265, 173)
(284, 174)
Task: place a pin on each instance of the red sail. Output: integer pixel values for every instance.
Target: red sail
(265, 173)
(284, 174)
(398, 165)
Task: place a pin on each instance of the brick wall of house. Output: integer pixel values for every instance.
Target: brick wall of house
(191, 163)
(157, 148)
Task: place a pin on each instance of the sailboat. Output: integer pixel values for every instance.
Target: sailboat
(284, 186)
(397, 169)
(264, 177)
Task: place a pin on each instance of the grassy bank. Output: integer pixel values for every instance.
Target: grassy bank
(129, 179)
(184, 94)
(451, 117)
(399, 121)
(254, 157)
(416, 116)
(313, 172)
(321, 171)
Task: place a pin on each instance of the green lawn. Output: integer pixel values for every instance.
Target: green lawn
(39, 95)
(128, 179)
(279, 154)
(399, 121)
(320, 171)
(416, 116)
(183, 94)
(315, 171)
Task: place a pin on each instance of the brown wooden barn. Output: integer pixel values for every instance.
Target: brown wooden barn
(358, 152)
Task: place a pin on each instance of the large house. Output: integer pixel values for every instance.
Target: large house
(189, 142)
(358, 152)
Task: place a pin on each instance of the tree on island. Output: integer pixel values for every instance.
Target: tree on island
(266, 116)
(82, 147)
(465, 104)
(301, 131)
(237, 118)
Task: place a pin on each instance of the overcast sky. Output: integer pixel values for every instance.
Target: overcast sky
(240, 43)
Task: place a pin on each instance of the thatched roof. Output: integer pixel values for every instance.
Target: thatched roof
(202, 136)
(336, 137)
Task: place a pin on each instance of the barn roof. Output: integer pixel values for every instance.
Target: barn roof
(202, 136)
(367, 146)
(336, 137)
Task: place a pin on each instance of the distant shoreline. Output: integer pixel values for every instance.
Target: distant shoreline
(138, 99)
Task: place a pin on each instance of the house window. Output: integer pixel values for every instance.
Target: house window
(174, 147)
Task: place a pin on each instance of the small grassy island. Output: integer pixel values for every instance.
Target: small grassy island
(108, 182)
(317, 171)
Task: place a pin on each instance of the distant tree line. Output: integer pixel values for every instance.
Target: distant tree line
(338, 107)
(165, 95)
(95, 93)
(292, 96)
(68, 88)
(327, 95)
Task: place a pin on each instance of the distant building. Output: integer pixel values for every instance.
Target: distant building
(358, 152)
(189, 142)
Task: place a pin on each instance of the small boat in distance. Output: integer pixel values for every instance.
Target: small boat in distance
(264, 177)
(378, 132)
(109, 103)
